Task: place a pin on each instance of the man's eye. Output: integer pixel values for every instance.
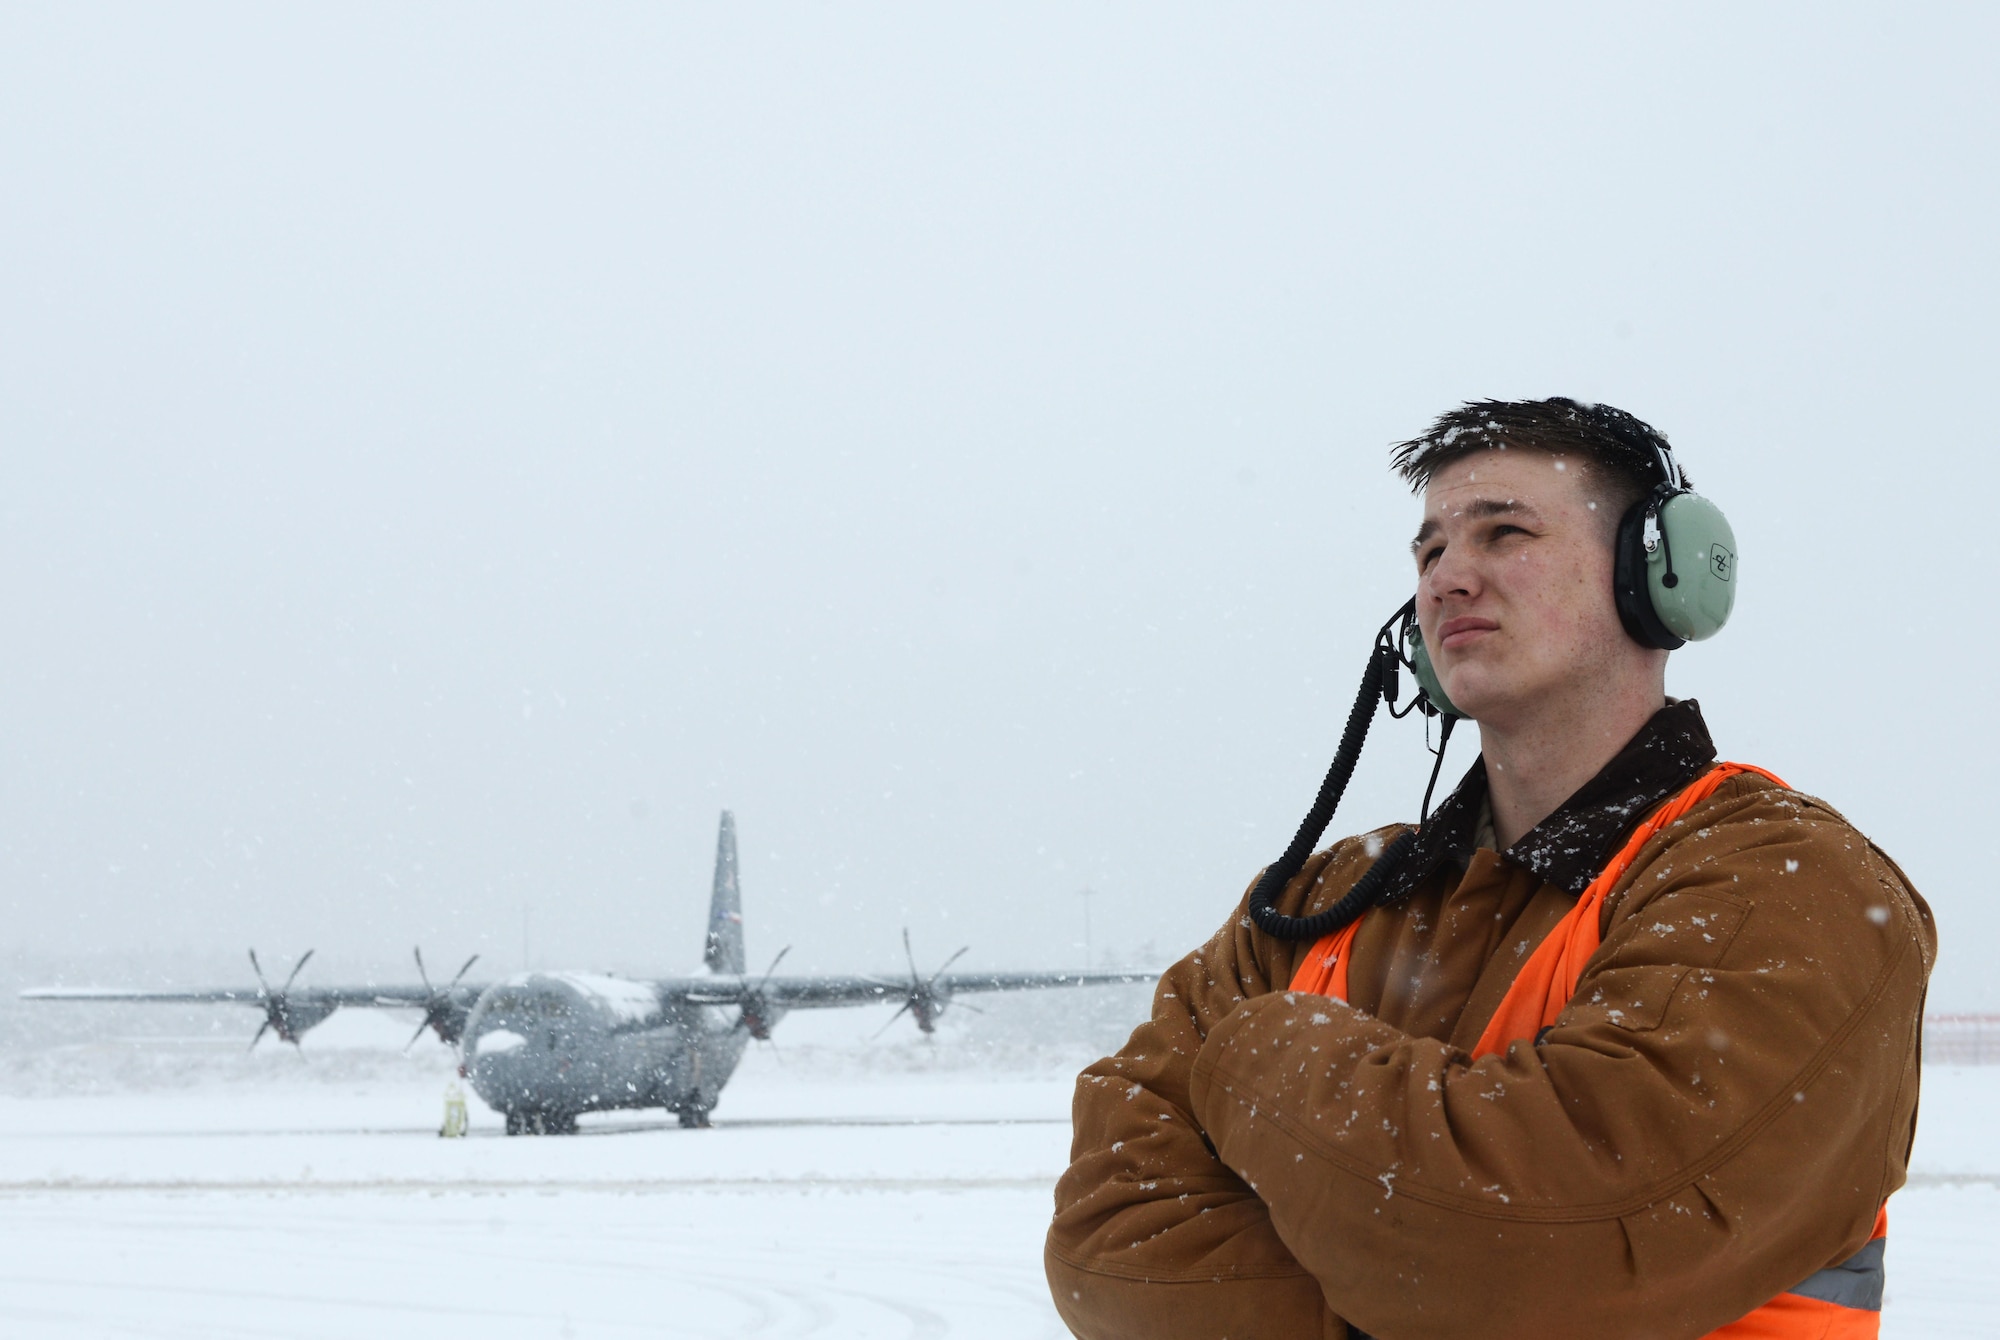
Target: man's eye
(1430, 556)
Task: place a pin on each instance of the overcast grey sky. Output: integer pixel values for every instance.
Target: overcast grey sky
(448, 454)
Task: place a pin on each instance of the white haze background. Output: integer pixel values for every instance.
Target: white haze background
(448, 455)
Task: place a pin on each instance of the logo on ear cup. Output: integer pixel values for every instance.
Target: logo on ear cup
(1721, 562)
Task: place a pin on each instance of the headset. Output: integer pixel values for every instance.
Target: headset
(1661, 606)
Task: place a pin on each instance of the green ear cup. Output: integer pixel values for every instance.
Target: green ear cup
(1420, 666)
(1695, 597)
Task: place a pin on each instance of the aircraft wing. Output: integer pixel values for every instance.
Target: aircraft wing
(333, 997)
(249, 997)
(290, 1010)
(829, 991)
(955, 982)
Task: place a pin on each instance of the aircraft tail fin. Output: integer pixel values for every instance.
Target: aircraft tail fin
(724, 953)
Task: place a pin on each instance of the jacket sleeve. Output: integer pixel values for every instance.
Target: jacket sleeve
(1154, 1237)
(1720, 1112)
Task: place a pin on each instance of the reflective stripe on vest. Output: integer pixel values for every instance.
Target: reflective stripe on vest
(1842, 1302)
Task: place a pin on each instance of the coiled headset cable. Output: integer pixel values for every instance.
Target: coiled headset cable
(1379, 682)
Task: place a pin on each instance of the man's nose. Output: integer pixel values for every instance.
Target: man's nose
(1453, 575)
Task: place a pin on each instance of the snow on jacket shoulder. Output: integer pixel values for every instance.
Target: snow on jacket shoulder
(1720, 1112)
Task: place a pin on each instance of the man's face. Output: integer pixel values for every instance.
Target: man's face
(1514, 594)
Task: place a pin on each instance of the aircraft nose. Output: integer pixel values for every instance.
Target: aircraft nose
(495, 1051)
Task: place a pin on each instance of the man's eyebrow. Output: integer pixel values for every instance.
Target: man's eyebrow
(1478, 509)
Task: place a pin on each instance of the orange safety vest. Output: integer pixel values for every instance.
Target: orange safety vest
(1842, 1302)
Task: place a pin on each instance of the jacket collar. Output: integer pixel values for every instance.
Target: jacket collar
(1570, 847)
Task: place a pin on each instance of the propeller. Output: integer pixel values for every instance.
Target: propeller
(924, 1002)
(755, 1012)
(441, 1012)
(279, 1015)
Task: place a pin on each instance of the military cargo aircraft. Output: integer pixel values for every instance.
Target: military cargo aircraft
(543, 1047)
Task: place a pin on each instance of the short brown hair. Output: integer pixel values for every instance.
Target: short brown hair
(1622, 448)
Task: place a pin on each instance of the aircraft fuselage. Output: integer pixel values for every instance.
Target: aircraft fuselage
(543, 1047)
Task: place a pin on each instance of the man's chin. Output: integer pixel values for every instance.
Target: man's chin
(1479, 699)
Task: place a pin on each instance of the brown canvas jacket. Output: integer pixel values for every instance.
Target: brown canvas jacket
(1729, 1098)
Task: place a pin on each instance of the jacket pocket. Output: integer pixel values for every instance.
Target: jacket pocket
(1633, 999)
(1688, 928)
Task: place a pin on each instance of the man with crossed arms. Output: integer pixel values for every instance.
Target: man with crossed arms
(1383, 1141)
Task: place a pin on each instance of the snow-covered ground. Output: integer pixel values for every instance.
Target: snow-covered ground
(817, 1209)
(843, 1192)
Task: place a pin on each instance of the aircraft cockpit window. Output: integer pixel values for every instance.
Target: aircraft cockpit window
(547, 1004)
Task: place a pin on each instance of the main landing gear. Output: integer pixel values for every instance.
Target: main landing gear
(522, 1121)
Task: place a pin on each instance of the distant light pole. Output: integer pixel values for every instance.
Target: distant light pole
(1086, 895)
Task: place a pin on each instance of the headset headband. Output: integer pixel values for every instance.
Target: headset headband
(1670, 469)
